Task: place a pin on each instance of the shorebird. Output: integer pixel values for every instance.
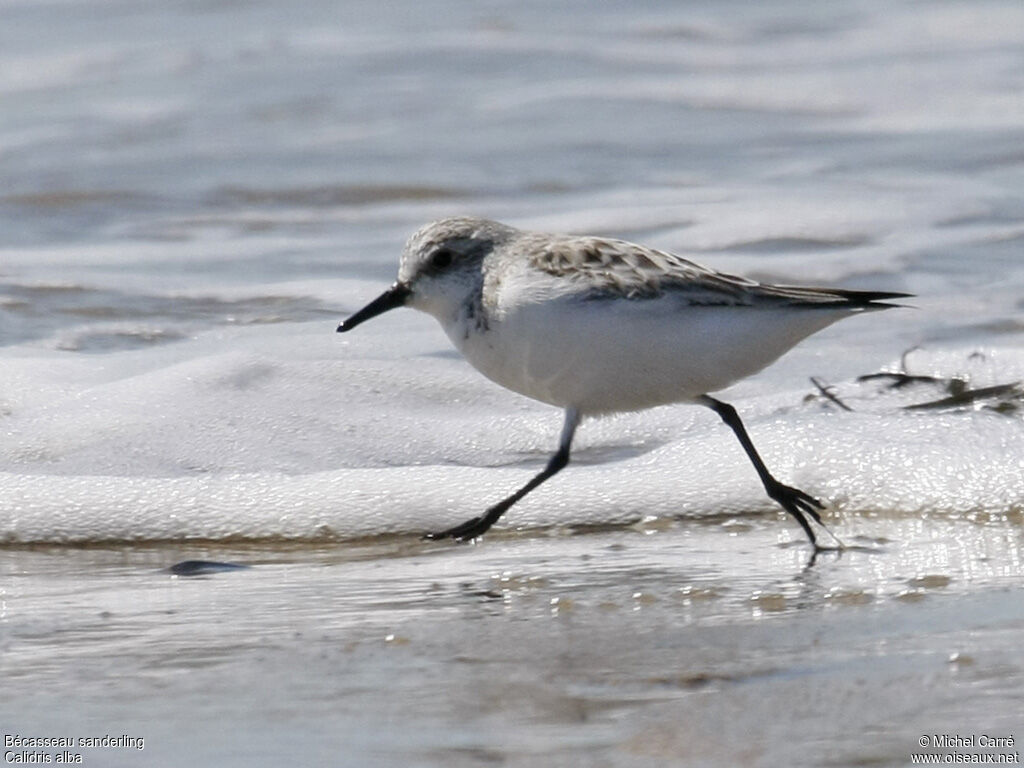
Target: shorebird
(596, 325)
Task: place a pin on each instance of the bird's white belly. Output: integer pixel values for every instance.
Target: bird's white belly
(602, 356)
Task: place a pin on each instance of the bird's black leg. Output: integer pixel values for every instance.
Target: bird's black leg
(799, 504)
(477, 526)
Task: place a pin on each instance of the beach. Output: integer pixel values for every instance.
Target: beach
(211, 503)
(662, 644)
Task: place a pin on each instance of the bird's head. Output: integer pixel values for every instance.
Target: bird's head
(441, 267)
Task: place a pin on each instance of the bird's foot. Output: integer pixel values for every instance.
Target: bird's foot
(467, 531)
(801, 506)
(796, 502)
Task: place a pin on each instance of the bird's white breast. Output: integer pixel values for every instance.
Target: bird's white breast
(604, 355)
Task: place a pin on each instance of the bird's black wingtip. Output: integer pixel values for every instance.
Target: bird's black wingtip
(862, 300)
(872, 297)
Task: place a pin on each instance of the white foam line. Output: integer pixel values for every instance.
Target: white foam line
(924, 465)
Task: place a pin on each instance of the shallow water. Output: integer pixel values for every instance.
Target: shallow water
(195, 193)
(685, 643)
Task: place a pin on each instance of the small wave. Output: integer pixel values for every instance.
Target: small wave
(879, 467)
(331, 196)
(795, 244)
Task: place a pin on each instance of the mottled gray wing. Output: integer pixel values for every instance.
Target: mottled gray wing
(604, 268)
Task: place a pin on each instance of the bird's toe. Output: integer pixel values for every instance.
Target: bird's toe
(467, 531)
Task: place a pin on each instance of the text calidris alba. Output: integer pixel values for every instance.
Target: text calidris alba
(595, 326)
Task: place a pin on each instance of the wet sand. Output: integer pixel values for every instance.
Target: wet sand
(665, 643)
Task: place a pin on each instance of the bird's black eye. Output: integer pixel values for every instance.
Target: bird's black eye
(441, 259)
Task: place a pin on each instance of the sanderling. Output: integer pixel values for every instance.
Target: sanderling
(597, 326)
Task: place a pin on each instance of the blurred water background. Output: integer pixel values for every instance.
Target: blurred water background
(194, 192)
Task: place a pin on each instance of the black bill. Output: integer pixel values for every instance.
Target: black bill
(392, 298)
